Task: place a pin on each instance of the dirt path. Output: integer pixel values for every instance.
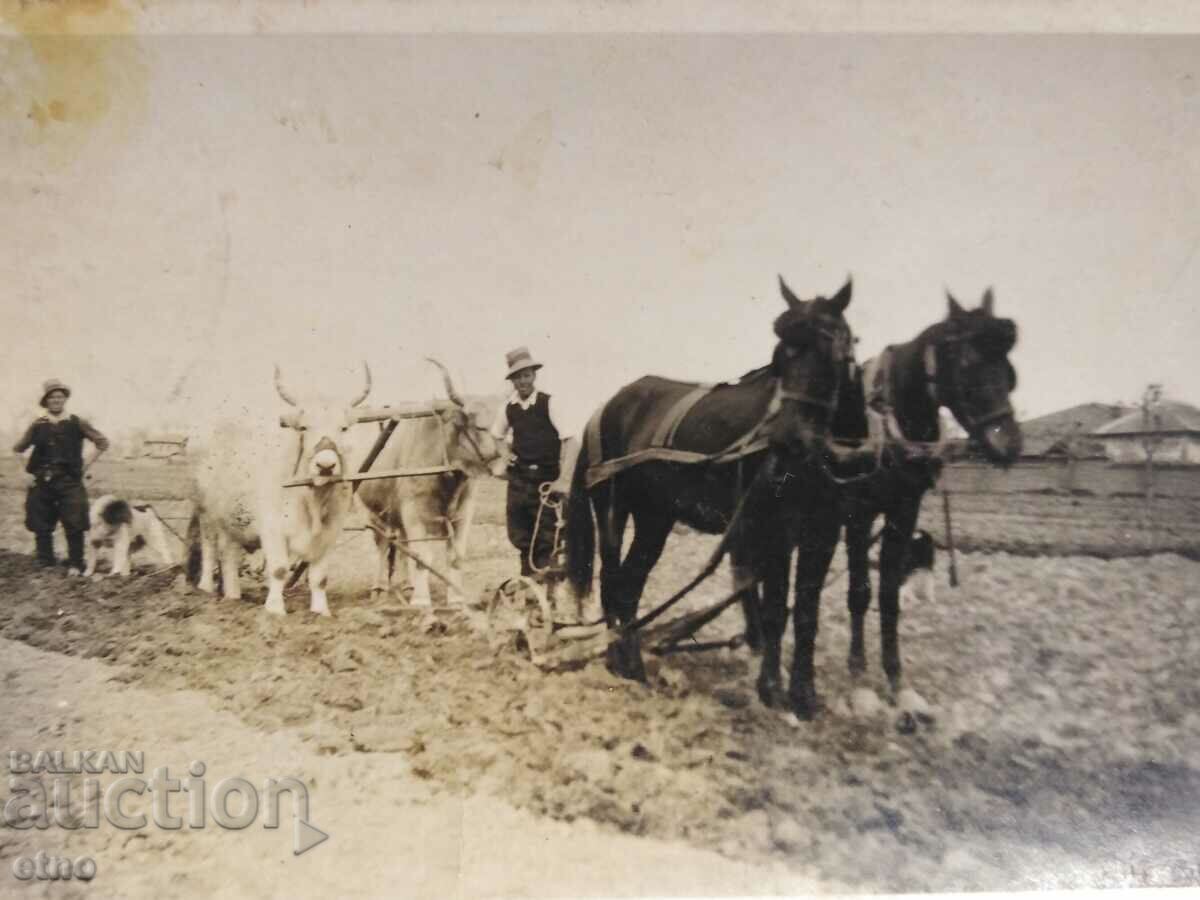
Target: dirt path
(1061, 754)
(391, 832)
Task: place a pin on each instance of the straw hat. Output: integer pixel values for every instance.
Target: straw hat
(50, 386)
(520, 359)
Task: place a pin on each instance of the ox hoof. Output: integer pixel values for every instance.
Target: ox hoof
(275, 608)
(320, 611)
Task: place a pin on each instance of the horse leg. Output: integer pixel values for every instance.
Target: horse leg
(773, 612)
(745, 581)
(894, 548)
(651, 529)
(611, 518)
(858, 541)
(820, 533)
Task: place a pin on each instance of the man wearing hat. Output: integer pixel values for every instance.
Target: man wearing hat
(544, 443)
(57, 466)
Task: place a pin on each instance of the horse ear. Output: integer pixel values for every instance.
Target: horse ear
(792, 300)
(841, 299)
(956, 308)
(988, 302)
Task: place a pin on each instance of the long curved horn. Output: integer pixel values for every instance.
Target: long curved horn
(281, 390)
(450, 391)
(366, 388)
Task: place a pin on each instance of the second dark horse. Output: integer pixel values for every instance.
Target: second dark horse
(788, 493)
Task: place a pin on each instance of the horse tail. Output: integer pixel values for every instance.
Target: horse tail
(581, 531)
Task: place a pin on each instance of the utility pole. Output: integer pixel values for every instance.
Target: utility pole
(1151, 426)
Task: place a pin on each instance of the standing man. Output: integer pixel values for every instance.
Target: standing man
(544, 439)
(57, 466)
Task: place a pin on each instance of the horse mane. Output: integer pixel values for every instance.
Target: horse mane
(993, 337)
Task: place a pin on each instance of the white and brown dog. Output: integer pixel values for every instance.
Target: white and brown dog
(125, 527)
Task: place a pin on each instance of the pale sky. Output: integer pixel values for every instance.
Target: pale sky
(200, 206)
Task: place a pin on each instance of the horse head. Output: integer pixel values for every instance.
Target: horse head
(966, 361)
(811, 361)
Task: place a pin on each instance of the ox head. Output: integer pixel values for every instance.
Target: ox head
(811, 361)
(325, 431)
(467, 425)
(967, 364)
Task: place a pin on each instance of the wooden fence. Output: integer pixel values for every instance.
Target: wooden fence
(1096, 477)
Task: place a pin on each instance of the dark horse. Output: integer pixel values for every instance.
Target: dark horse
(783, 488)
(960, 363)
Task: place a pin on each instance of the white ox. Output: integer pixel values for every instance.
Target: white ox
(241, 502)
(407, 512)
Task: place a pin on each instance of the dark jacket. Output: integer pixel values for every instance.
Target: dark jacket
(535, 440)
(58, 446)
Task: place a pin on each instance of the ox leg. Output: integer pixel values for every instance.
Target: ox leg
(414, 530)
(275, 555)
(383, 569)
(318, 577)
(231, 563)
(812, 565)
(456, 549)
(208, 559)
(858, 598)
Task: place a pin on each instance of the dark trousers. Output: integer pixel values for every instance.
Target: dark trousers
(521, 510)
(51, 501)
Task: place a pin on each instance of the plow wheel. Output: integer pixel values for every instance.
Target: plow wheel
(520, 611)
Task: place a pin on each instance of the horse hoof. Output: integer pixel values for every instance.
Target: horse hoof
(857, 666)
(805, 705)
(906, 723)
(770, 692)
(625, 662)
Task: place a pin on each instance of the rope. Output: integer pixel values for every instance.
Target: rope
(544, 502)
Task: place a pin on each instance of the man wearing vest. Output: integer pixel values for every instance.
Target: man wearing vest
(57, 466)
(544, 446)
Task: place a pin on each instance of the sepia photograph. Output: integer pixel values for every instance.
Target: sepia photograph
(598, 449)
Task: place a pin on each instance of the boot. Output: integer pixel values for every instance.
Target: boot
(75, 560)
(45, 549)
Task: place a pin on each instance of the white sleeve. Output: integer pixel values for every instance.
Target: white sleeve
(500, 426)
(569, 417)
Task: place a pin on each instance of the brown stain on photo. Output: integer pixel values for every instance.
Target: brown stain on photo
(69, 65)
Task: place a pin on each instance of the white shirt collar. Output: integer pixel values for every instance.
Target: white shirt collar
(514, 397)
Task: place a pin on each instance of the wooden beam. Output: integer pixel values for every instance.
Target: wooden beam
(371, 476)
(403, 411)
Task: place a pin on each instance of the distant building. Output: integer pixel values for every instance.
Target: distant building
(1068, 432)
(1171, 433)
(167, 445)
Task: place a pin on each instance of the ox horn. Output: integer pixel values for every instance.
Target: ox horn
(281, 390)
(366, 387)
(450, 391)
